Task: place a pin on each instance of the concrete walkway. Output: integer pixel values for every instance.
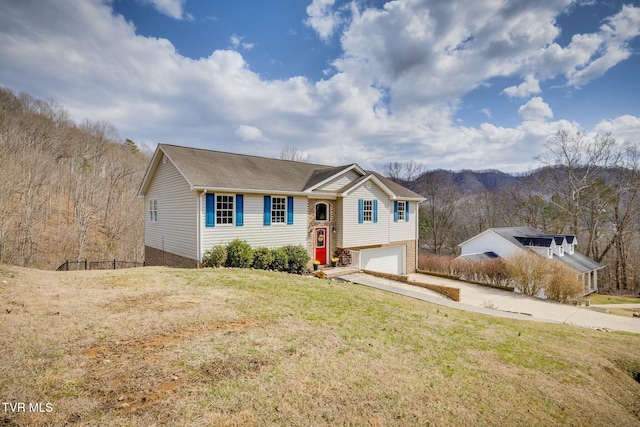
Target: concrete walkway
(496, 302)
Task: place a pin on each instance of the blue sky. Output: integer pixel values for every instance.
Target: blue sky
(457, 84)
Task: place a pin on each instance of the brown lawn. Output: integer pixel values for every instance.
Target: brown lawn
(161, 346)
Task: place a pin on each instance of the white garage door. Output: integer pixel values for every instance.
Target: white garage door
(385, 260)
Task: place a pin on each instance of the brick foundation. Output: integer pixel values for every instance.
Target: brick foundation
(153, 256)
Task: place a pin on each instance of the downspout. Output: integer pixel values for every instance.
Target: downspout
(199, 225)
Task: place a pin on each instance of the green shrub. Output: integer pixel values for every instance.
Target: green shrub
(215, 257)
(262, 258)
(239, 254)
(298, 258)
(280, 260)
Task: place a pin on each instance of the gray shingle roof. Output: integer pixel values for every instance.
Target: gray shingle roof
(323, 174)
(217, 169)
(579, 262)
(398, 189)
(484, 256)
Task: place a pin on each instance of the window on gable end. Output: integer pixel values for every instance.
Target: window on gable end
(153, 210)
(322, 211)
(401, 211)
(367, 210)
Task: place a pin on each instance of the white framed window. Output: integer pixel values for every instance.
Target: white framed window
(224, 209)
(278, 210)
(322, 212)
(153, 210)
(401, 211)
(367, 210)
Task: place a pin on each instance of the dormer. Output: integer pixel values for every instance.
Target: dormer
(561, 244)
(544, 245)
(570, 245)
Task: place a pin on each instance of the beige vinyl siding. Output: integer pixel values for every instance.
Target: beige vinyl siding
(340, 223)
(340, 181)
(254, 231)
(367, 233)
(175, 230)
(403, 230)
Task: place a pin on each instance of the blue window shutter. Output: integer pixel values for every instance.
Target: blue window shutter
(239, 210)
(360, 211)
(211, 210)
(267, 210)
(375, 211)
(289, 210)
(406, 211)
(395, 211)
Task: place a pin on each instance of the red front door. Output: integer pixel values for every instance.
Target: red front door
(321, 245)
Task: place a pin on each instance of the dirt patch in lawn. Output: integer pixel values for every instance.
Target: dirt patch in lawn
(133, 375)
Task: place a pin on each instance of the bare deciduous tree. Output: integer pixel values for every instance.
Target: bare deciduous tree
(293, 154)
(439, 211)
(595, 183)
(405, 173)
(66, 191)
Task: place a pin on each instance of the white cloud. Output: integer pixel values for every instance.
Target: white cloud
(171, 8)
(589, 56)
(322, 18)
(623, 128)
(250, 133)
(530, 86)
(393, 95)
(441, 51)
(236, 41)
(535, 110)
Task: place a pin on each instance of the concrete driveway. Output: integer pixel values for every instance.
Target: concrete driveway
(501, 303)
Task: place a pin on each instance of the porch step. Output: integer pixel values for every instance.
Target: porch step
(332, 272)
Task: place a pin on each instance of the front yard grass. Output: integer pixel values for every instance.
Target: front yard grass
(161, 346)
(611, 299)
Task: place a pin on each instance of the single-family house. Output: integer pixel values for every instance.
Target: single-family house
(195, 199)
(508, 241)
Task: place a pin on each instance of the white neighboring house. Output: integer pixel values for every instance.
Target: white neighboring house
(195, 199)
(508, 241)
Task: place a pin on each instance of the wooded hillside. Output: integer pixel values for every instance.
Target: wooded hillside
(67, 190)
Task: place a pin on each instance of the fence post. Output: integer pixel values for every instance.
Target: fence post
(114, 264)
(67, 265)
(85, 264)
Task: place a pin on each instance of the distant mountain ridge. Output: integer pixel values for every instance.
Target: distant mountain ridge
(472, 182)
